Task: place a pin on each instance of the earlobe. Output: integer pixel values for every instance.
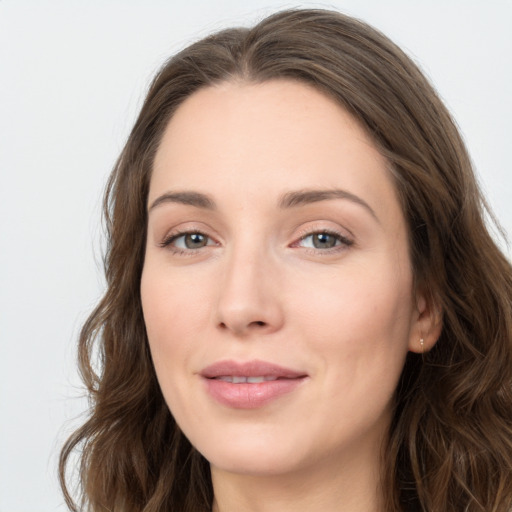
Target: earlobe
(427, 326)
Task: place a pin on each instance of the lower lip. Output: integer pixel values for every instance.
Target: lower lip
(250, 396)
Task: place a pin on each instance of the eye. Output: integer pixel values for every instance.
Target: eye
(187, 241)
(323, 240)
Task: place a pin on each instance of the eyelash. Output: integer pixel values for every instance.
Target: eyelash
(168, 241)
(345, 242)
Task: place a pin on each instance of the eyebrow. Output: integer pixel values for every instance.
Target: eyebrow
(307, 196)
(288, 200)
(189, 198)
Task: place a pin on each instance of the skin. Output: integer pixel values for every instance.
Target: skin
(258, 288)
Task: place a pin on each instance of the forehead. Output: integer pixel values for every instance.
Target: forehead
(263, 139)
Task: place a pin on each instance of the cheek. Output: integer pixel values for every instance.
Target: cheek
(173, 311)
(174, 306)
(360, 334)
(359, 322)
(357, 300)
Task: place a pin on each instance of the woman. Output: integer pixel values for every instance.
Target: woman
(305, 310)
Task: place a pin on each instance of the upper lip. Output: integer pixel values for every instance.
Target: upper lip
(254, 368)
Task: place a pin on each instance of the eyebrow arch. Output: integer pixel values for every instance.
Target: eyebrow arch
(307, 196)
(196, 199)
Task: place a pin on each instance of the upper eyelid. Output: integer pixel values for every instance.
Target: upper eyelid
(188, 227)
(321, 227)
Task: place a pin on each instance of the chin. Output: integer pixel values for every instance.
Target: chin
(255, 464)
(251, 454)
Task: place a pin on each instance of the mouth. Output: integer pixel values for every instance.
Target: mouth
(249, 385)
(249, 370)
(238, 379)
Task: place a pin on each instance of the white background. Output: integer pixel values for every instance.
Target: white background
(72, 76)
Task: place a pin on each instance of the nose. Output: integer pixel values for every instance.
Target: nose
(249, 295)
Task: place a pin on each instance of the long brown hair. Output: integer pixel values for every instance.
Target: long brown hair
(450, 442)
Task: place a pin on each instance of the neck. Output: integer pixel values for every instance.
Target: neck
(353, 486)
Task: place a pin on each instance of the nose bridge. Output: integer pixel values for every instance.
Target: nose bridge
(248, 293)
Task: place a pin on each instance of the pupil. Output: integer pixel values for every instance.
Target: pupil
(323, 241)
(195, 240)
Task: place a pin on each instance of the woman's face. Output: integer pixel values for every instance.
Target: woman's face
(277, 285)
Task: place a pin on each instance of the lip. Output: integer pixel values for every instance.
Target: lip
(250, 395)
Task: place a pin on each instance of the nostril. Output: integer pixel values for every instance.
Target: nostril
(256, 324)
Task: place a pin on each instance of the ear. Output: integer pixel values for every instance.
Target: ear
(427, 324)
